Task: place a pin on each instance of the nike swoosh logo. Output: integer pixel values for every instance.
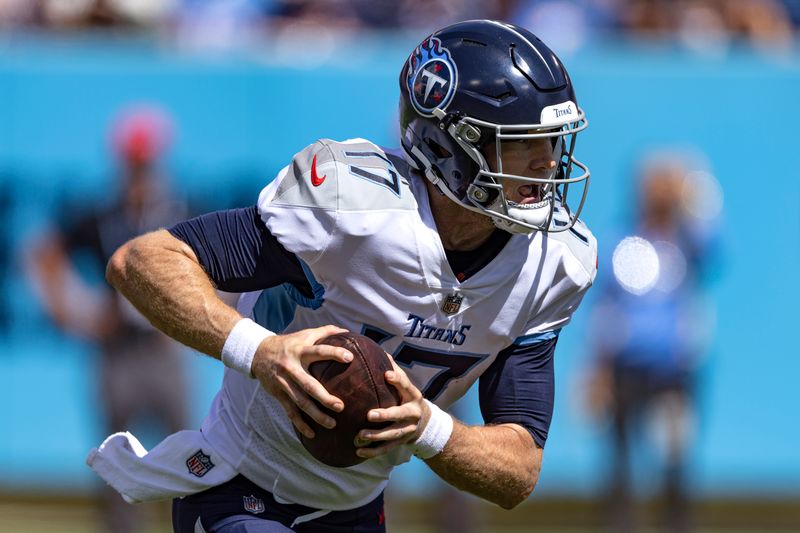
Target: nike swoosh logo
(316, 181)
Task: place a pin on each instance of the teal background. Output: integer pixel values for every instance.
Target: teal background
(241, 117)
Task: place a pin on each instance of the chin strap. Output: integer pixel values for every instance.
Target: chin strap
(535, 216)
(511, 227)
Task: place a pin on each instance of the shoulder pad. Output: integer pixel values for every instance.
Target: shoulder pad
(582, 246)
(354, 175)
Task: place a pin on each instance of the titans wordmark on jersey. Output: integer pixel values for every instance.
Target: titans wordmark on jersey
(367, 241)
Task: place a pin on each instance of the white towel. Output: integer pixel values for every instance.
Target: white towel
(182, 464)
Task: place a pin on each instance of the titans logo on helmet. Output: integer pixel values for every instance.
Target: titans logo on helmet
(432, 77)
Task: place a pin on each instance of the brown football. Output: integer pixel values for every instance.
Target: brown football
(360, 384)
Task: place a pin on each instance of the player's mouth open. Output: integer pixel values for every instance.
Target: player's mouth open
(529, 194)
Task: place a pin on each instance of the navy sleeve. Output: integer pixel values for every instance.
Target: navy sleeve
(239, 253)
(519, 387)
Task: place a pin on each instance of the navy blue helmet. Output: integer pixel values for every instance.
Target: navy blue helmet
(477, 88)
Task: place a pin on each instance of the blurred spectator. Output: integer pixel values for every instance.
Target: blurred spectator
(142, 378)
(309, 14)
(219, 24)
(63, 14)
(430, 14)
(793, 9)
(762, 22)
(568, 24)
(649, 331)
(79, 13)
(650, 18)
(378, 14)
(704, 26)
(16, 12)
(710, 25)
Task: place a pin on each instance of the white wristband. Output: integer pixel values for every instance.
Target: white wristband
(241, 345)
(435, 435)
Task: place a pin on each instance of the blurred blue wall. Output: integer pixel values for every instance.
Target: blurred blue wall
(241, 117)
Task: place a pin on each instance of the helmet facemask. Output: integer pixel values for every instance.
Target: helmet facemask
(548, 211)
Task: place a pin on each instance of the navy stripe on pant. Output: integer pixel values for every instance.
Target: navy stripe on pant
(242, 506)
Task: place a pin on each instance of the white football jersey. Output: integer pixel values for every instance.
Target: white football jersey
(367, 241)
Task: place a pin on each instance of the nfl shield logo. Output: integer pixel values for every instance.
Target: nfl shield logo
(452, 303)
(199, 464)
(253, 505)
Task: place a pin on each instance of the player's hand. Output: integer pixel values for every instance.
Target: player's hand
(281, 365)
(406, 421)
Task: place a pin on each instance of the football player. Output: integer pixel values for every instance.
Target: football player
(459, 254)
